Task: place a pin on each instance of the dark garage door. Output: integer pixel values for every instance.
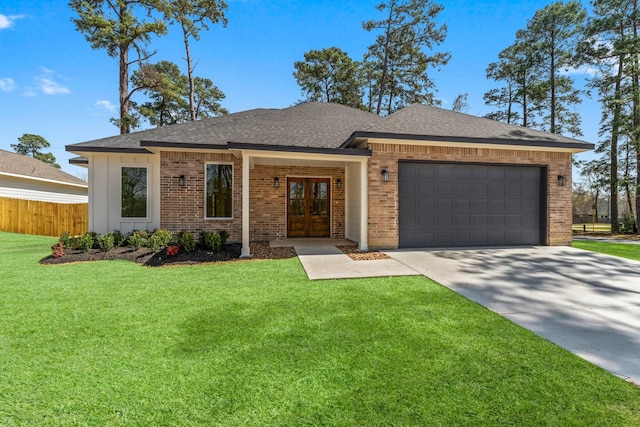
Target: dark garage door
(469, 205)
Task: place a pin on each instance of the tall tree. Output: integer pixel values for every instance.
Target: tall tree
(117, 27)
(33, 145)
(408, 29)
(193, 16)
(329, 75)
(554, 32)
(517, 99)
(169, 95)
(610, 46)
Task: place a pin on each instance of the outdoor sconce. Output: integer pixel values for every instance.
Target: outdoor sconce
(338, 183)
(182, 180)
(385, 175)
(561, 180)
(276, 182)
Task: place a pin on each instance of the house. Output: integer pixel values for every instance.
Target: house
(420, 177)
(26, 178)
(36, 198)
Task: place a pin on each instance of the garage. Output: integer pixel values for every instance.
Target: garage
(462, 204)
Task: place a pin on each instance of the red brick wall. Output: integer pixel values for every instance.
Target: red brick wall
(182, 208)
(268, 205)
(383, 196)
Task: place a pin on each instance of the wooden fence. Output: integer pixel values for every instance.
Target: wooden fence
(43, 218)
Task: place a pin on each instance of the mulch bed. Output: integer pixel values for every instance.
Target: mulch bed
(228, 252)
(357, 255)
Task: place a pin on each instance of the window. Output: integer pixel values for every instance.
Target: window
(219, 193)
(134, 192)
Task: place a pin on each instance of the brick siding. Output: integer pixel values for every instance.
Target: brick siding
(383, 196)
(182, 207)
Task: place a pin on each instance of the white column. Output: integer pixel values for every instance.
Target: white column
(364, 206)
(246, 250)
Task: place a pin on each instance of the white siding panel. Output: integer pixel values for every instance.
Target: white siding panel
(353, 196)
(105, 192)
(20, 188)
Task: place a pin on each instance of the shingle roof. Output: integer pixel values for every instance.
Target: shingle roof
(18, 164)
(428, 121)
(323, 126)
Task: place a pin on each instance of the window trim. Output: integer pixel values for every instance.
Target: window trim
(148, 204)
(233, 194)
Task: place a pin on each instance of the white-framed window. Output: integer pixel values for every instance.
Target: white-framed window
(218, 203)
(134, 195)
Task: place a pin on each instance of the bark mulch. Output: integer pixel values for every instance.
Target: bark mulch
(228, 252)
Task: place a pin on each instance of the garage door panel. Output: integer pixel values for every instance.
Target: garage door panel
(469, 204)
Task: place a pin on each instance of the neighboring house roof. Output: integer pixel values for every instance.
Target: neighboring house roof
(325, 126)
(28, 167)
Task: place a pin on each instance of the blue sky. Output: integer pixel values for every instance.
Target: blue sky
(53, 84)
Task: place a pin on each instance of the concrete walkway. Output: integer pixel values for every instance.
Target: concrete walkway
(329, 262)
(587, 303)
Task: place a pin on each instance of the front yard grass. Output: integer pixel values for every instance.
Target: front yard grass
(623, 250)
(112, 343)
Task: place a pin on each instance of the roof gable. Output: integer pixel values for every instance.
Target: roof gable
(25, 166)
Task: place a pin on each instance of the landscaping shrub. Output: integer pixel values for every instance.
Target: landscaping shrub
(138, 239)
(211, 240)
(187, 241)
(66, 239)
(118, 238)
(106, 242)
(224, 235)
(85, 242)
(628, 225)
(173, 250)
(159, 239)
(58, 249)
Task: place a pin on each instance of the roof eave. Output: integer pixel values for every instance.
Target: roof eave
(569, 146)
(294, 149)
(82, 149)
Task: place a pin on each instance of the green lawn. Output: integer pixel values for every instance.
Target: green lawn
(590, 227)
(623, 250)
(255, 343)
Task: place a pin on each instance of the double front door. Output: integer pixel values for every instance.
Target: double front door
(308, 207)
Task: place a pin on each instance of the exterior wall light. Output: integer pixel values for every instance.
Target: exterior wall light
(276, 182)
(182, 180)
(562, 181)
(338, 183)
(385, 175)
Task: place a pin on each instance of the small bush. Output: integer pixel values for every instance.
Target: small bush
(628, 225)
(106, 242)
(211, 240)
(66, 239)
(58, 249)
(118, 238)
(85, 242)
(173, 250)
(187, 241)
(224, 235)
(138, 239)
(159, 239)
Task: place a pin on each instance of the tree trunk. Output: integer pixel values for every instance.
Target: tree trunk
(192, 84)
(615, 130)
(385, 61)
(552, 106)
(125, 124)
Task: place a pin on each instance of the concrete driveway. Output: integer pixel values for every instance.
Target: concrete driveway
(587, 303)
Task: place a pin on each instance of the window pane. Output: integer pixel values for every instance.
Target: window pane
(219, 201)
(134, 192)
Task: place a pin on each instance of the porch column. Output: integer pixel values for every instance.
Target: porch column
(246, 250)
(364, 206)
